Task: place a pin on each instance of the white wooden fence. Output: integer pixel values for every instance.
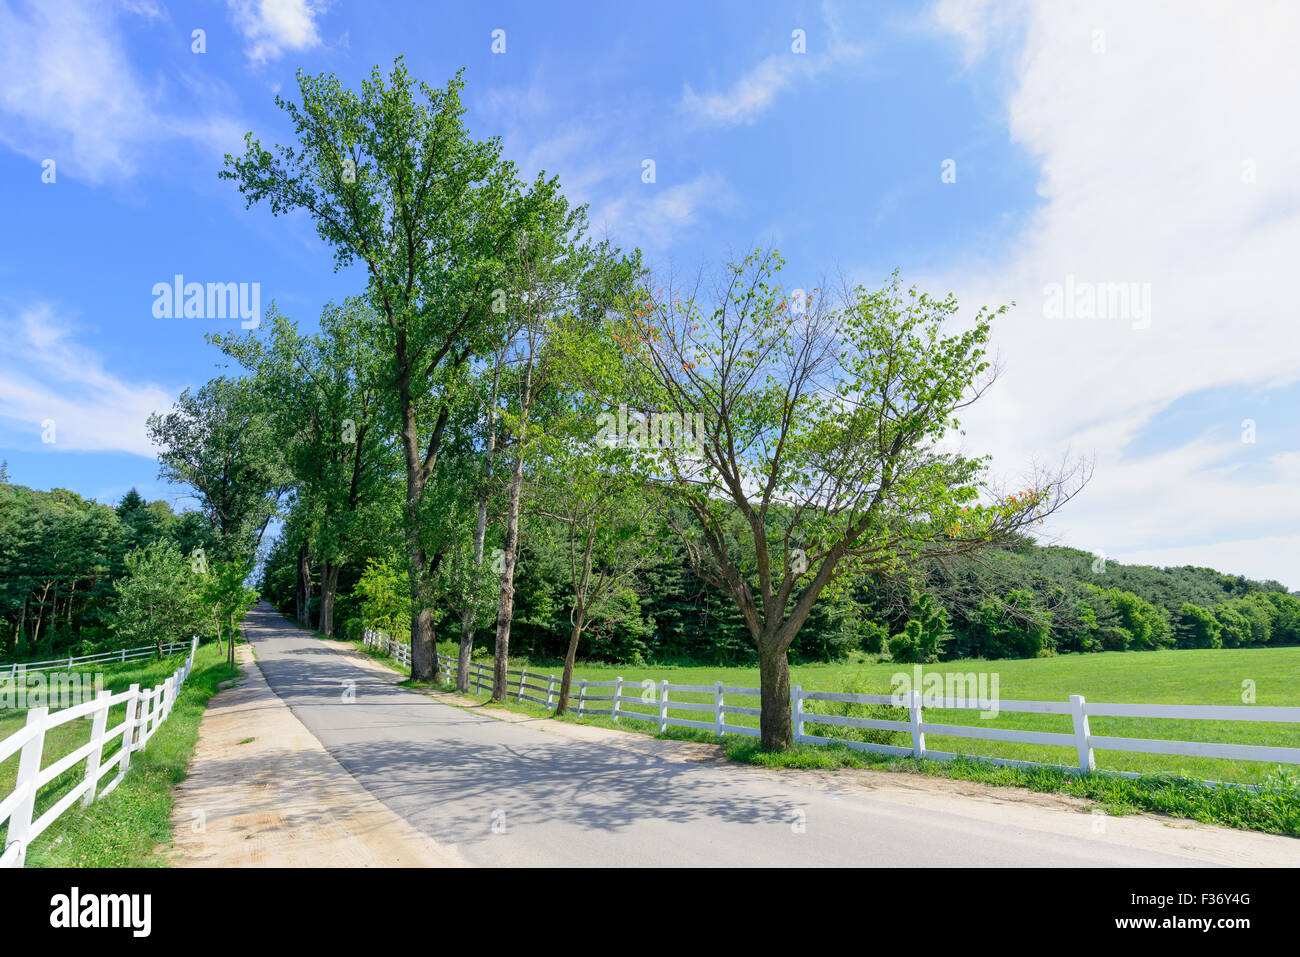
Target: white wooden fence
(611, 696)
(103, 658)
(1080, 737)
(145, 711)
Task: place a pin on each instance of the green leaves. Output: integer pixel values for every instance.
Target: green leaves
(160, 599)
(219, 441)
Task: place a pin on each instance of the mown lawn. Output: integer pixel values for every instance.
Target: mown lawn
(1213, 676)
(123, 829)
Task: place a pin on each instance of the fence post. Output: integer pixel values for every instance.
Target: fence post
(718, 702)
(1082, 734)
(146, 709)
(523, 675)
(128, 736)
(550, 688)
(124, 654)
(663, 706)
(918, 736)
(796, 712)
(582, 696)
(618, 690)
(29, 767)
(97, 730)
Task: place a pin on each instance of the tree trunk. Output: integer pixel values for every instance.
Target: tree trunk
(20, 631)
(424, 651)
(220, 647)
(506, 606)
(51, 630)
(480, 533)
(329, 583)
(775, 725)
(466, 650)
(567, 680)
(304, 583)
(40, 615)
(467, 618)
(297, 590)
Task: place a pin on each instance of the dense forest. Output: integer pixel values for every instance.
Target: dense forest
(60, 555)
(1022, 602)
(79, 577)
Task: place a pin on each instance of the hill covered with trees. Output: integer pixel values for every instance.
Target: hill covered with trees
(1018, 602)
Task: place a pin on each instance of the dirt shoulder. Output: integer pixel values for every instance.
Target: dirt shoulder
(263, 792)
(1010, 806)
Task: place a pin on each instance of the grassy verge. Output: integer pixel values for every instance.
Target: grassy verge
(1272, 806)
(1211, 677)
(125, 828)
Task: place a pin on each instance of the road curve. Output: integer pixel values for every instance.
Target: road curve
(502, 793)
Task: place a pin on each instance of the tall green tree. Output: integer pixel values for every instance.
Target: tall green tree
(817, 448)
(560, 286)
(608, 530)
(228, 598)
(218, 440)
(160, 600)
(393, 182)
(320, 396)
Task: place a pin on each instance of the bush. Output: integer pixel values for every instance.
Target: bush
(849, 709)
(159, 600)
(1197, 628)
(924, 635)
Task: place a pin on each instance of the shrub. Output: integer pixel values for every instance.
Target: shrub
(849, 709)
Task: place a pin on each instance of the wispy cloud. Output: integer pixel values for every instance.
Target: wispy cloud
(68, 92)
(754, 92)
(653, 219)
(45, 375)
(599, 164)
(272, 27)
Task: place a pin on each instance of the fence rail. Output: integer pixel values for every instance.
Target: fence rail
(12, 669)
(658, 695)
(145, 712)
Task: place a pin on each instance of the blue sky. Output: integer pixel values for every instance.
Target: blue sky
(1079, 138)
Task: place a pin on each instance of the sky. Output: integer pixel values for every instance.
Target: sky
(1127, 174)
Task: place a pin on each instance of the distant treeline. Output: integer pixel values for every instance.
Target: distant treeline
(1021, 602)
(60, 555)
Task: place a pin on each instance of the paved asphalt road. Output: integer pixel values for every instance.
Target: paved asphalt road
(453, 774)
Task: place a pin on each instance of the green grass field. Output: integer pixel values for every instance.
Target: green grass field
(125, 828)
(1160, 677)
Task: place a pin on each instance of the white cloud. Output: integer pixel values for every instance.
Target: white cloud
(599, 165)
(69, 93)
(271, 27)
(148, 9)
(1142, 153)
(755, 91)
(652, 215)
(45, 374)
